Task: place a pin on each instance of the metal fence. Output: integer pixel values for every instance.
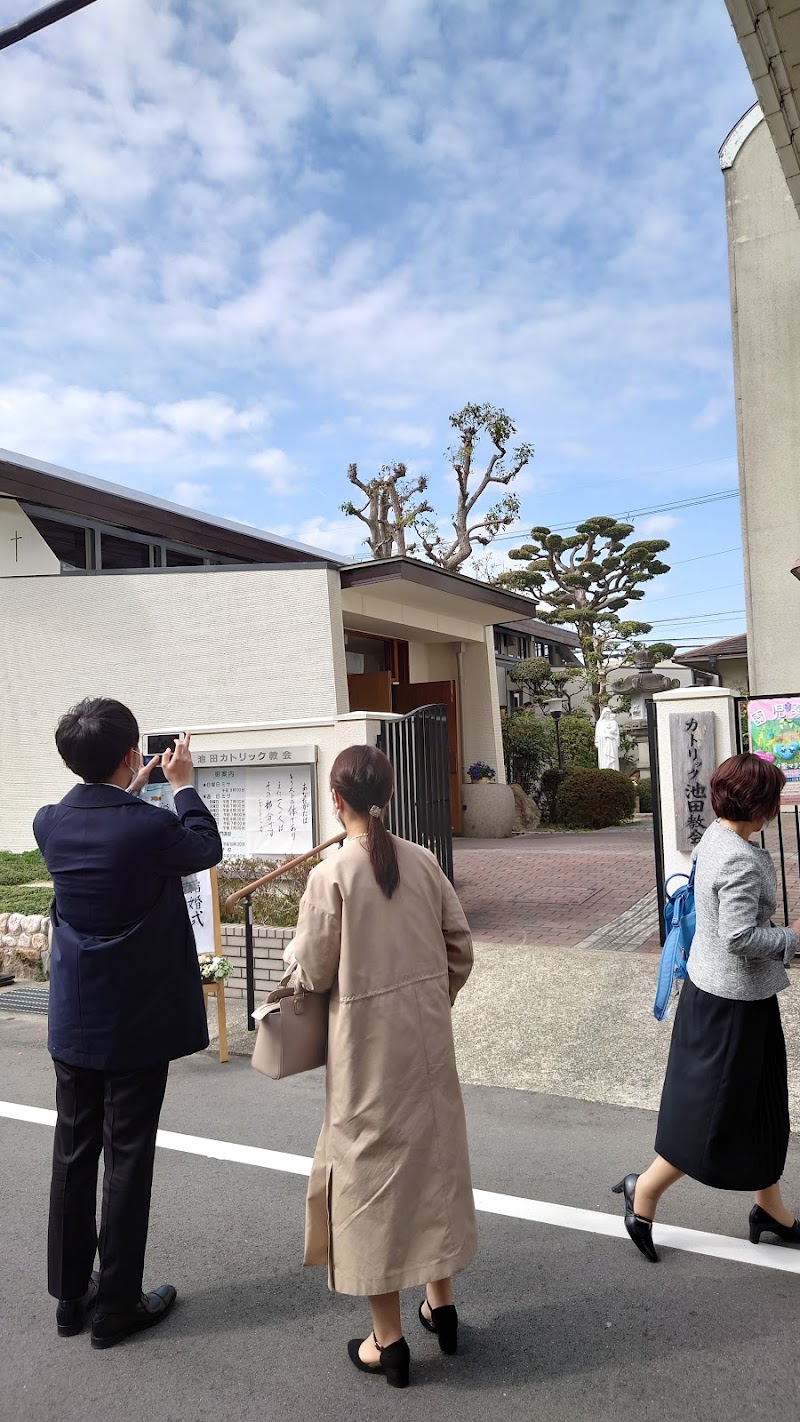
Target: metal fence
(419, 749)
(782, 836)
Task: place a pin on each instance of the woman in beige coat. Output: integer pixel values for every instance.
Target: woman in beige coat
(390, 1200)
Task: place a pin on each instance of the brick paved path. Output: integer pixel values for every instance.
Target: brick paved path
(556, 890)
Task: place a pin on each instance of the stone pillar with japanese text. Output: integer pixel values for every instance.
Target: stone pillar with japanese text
(696, 729)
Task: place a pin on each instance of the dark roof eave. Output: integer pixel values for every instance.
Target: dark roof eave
(35, 482)
(427, 575)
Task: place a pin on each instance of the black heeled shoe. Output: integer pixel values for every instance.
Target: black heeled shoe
(444, 1323)
(639, 1228)
(394, 1364)
(762, 1223)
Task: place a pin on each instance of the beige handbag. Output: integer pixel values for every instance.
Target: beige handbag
(292, 1032)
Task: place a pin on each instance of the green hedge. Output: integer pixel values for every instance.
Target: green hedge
(595, 799)
(22, 868)
(275, 905)
(645, 797)
(25, 900)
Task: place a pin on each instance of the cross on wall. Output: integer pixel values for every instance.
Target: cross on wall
(16, 540)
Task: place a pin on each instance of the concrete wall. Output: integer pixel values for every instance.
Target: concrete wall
(183, 650)
(764, 245)
(480, 711)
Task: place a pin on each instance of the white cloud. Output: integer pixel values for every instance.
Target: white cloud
(279, 472)
(383, 209)
(656, 525)
(194, 496)
(97, 430)
(335, 535)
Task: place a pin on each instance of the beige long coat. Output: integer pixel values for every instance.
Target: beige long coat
(390, 1197)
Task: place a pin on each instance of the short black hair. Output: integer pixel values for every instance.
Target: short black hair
(93, 737)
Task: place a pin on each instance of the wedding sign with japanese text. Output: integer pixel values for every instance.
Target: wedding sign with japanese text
(199, 889)
(774, 732)
(692, 746)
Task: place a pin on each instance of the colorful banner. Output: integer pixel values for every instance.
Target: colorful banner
(774, 730)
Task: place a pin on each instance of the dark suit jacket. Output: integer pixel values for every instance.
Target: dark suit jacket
(125, 989)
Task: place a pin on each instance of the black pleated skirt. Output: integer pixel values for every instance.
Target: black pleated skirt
(724, 1116)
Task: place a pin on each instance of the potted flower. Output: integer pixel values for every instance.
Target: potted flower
(213, 969)
(481, 771)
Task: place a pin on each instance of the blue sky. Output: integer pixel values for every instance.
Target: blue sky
(242, 244)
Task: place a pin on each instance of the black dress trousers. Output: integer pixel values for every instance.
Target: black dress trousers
(116, 1112)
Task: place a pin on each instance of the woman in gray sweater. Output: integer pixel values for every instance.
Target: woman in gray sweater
(724, 1117)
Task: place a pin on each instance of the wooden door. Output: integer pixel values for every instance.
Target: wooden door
(370, 691)
(437, 693)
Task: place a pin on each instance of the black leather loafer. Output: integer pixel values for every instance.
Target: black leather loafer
(71, 1314)
(639, 1228)
(111, 1328)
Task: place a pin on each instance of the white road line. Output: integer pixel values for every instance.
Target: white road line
(691, 1241)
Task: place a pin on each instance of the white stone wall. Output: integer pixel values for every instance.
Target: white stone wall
(764, 246)
(182, 649)
(24, 943)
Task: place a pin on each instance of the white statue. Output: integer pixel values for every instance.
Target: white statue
(606, 738)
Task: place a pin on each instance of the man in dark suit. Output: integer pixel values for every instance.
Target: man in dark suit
(125, 1000)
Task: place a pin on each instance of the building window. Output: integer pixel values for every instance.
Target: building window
(176, 558)
(123, 552)
(70, 542)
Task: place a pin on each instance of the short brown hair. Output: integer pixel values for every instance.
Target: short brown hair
(747, 788)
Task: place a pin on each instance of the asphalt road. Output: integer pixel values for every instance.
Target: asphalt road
(558, 1324)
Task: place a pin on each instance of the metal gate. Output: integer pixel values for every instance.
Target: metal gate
(418, 747)
(781, 838)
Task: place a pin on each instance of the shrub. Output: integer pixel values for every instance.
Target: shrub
(548, 791)
(22, 868)
(645, 797)
(595, 799)
(277, 903)
(530, 746)
(17, 900)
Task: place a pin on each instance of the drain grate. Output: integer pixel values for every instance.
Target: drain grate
(25, 1000)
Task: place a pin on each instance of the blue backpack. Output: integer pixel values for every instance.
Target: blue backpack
(680, 918)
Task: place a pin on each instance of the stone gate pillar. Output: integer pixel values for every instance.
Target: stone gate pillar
(688, 703)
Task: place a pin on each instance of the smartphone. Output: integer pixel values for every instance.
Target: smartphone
(156, 745)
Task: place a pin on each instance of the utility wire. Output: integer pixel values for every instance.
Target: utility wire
(718, 497)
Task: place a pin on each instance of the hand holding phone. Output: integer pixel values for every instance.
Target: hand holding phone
(177, 764)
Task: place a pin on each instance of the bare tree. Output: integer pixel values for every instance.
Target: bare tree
(389, 508)
(451, 551)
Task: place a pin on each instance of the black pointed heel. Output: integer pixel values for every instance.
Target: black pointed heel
(639, 1228)
(762, 1223)
(444, 1323)
(395, 1360)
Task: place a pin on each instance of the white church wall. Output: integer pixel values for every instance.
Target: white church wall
(23, 551)
(194, 647)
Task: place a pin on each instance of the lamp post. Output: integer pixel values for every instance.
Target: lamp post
(555, 709)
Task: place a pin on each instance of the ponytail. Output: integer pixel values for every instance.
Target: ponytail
(364, 777)
(382, 854)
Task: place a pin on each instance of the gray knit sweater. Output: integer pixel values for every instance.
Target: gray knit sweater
(735, 952)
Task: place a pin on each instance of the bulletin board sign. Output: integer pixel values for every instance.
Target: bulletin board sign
(773, 725)
(263, 799)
